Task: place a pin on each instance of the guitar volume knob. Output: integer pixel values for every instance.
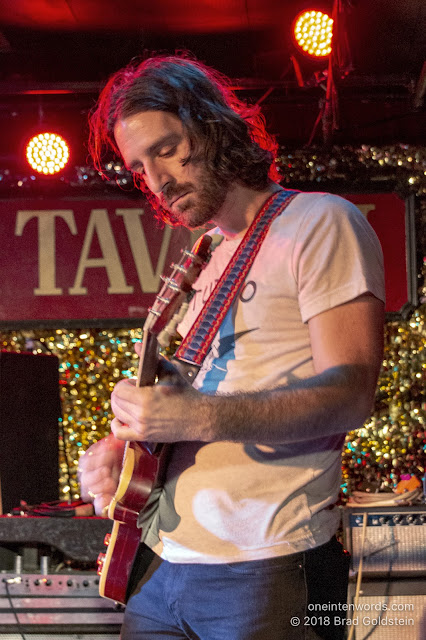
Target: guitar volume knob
(100, 562)
(107, 539)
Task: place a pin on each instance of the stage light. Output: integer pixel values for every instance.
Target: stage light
(313, 31)
(47, 153)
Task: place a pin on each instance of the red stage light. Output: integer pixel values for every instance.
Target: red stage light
(313, 31)
(47, 153)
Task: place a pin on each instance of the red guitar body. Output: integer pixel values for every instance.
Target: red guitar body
(142, 472)
(144, 464)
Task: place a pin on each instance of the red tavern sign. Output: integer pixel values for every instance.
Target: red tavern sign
(392, 218)
(81, 260)
(100, 261)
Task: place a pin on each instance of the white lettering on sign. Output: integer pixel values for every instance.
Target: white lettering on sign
(366, 208)
(46, 245)
(148, 278)
(99, 222)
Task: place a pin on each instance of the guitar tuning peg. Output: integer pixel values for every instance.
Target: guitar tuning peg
(170, 283)
(153, 312)
(179, 267)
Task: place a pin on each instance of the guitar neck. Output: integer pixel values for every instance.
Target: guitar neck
(148, 363)
(174, 292)
(144, 462)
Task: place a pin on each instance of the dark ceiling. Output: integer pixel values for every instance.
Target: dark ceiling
(55, 54)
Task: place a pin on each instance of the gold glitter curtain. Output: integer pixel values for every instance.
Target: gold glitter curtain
(402, 164)
(91, 362)
(391, 443)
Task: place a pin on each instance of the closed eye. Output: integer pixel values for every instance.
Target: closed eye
(167, 152)
(138, 169)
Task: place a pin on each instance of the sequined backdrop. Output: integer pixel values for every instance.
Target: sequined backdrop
(391, 443)
(402, 164)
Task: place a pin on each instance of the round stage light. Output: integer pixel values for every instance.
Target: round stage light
(47, 153)
(313, 31)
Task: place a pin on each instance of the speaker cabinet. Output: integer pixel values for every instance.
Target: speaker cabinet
(388, 610)
(29, 413)
(390, 540)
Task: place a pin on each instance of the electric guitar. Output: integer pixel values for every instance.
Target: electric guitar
(143, 467)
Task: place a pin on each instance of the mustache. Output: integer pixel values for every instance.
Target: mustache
(173, 191)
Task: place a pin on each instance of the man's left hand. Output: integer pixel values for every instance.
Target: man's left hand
(165, 412)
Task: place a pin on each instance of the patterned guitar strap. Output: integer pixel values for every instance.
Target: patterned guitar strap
(198, 340)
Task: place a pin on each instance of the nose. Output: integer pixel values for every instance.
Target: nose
(156, 177)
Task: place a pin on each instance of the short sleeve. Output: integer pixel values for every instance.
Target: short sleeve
(336, 256)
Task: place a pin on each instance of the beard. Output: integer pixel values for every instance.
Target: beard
(198, 207)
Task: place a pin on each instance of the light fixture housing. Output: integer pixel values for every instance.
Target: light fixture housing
(313, 33)
(47, 153)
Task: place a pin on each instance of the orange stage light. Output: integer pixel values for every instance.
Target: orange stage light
(313, 32)
(47, 153)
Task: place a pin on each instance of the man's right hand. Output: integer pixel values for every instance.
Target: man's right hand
(99, 471)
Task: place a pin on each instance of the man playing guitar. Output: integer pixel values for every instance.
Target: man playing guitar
(244, 529)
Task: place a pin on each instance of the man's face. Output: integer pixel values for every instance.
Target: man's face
(154, 145)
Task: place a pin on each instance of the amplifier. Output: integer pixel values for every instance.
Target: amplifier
(60, 605)
(390, 540)
(29, 468)
(388, 610)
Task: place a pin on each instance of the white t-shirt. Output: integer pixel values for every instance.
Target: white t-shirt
(228, 502)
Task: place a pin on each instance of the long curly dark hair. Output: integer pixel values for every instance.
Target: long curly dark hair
(226, 133)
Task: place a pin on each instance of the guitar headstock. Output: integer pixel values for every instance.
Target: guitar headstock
(172, 294)
(178, 285)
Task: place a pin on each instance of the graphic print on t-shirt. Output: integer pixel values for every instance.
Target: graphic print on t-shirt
(215, 364)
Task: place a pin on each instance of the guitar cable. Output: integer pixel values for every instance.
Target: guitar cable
(360, 570)
(55, 509)
(6, 583)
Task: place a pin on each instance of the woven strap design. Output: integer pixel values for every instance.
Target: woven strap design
(197, 342)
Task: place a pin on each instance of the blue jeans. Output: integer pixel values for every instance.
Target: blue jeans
(270, 599)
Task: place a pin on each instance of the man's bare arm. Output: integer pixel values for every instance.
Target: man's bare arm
(347, 348)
